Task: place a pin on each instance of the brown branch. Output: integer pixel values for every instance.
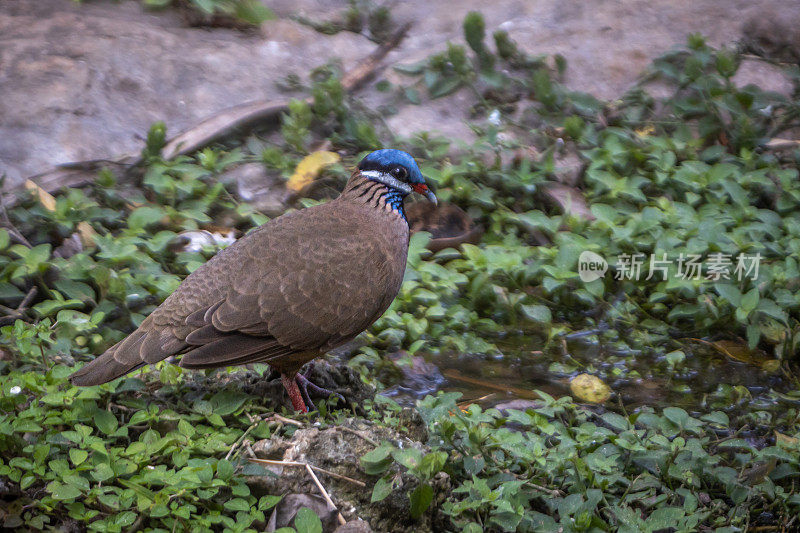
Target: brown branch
(214, 128)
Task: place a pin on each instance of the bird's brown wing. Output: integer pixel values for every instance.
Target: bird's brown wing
(300, 284)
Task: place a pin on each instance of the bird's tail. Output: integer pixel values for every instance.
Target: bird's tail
(104, 368)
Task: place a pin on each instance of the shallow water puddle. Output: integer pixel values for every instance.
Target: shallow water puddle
(699, 379)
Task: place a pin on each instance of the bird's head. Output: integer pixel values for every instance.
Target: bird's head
(397, 170)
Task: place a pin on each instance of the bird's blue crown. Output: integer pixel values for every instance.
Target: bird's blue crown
(388, 158)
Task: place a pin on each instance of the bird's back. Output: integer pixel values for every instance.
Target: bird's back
(299, 285)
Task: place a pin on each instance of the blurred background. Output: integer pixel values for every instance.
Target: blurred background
(84, 80)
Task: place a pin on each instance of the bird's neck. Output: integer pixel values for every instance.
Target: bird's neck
(374, 194)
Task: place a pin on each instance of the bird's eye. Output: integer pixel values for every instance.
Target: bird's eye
(399, 172)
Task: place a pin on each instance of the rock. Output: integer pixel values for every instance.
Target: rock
(448, 224)
(86, 80)
(418, 378)
(567, 199)
(765, 76)
(519, 405)
(569, 165)
(354, 526)
(339, 449)
(589, 388)
(774, 33)
(285, 511)
(265, 190)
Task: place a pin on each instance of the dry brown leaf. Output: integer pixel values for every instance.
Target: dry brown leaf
(738, 352)
(45, 198)
(309, 168)
(589, 388)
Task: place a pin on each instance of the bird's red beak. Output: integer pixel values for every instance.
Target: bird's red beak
(421, 188)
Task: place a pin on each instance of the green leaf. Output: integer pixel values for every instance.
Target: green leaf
(412, 69)
(8, 291)
(383, 487)
(750, 300)
(376, 461)
(75, 289)
(105, 421)
(253, 11)
(61, 491)
(730, 293)
(421, 499)
(306, 521)
(224, 469)
(77, 456)
(144, 216)
(677, 416)
(665, 518)
(537, 313)
(227, 402)
(237, 504)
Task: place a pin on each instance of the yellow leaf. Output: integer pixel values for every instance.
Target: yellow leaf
(309, 168)
(45, 198)
(771, 365)
(785, 441)
(589, 388)
(86, 233)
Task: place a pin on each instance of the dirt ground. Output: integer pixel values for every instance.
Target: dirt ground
(85, 80)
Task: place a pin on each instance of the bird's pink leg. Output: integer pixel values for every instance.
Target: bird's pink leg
(290, 384)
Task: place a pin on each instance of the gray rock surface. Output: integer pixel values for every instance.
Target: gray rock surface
(85, 80)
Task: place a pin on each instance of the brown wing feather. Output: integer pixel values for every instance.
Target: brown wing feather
(295, 287)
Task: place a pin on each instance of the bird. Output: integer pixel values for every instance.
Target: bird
(290, 290)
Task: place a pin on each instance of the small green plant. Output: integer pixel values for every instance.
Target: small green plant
(251, 12)
(561, 467)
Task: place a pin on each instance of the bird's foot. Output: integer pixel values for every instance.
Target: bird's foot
(305, 386)
(298, 388)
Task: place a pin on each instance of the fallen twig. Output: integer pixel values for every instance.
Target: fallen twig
(19, 313)
(523, 393)
(239, 440)
(213, 128)
(317, 468)
(360, 435)
(782, 144)
(285, 420)
(13, 232)
(310, 469)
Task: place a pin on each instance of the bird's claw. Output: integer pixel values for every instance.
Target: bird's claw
(305, 386)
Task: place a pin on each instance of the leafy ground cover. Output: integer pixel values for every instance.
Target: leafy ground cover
(688, 173)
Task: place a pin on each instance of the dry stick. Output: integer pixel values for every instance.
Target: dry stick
(212, 129)
(285, 420)
(317, 468)
(325, 495)
(360, 435)
(314, 478)
(239, 441)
